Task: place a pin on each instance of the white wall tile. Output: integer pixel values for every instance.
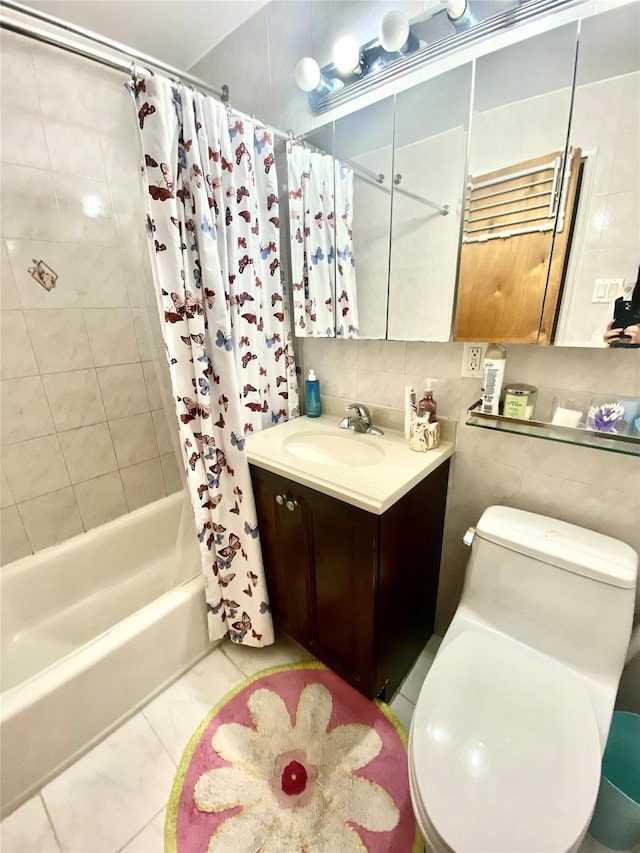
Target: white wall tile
(150, 370)
(143, 483)
(13, 538)
(100, 274)
(88, 452)
(25, 412)
(17, 77)
(111, 335)
(86, 211)
(73, 152)
(16, 354)
(34, 467)
(162, 429)
(24, 256)
(74, 398)
(51, 518)
(28, 206)
(59, 339)
(22, 139)
(134, 439)
(173, 479)
(123, 390)
(100, 500)
(9, 299)
(64, 88)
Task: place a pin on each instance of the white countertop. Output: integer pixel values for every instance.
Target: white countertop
(373, 487)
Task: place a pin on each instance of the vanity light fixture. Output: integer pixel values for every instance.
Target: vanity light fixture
(310, 79)
(352, 63)
(459, 13)
(395, 34)
(347, 57)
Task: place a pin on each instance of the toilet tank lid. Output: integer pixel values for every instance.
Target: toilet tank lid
(561, 544)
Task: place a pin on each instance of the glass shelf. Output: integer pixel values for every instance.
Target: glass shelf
(626, 444)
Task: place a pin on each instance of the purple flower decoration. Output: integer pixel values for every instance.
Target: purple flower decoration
(605, 418)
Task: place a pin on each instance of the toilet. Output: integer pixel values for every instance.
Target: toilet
(509, 728)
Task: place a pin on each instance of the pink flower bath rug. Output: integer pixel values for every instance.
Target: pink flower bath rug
(293, 760)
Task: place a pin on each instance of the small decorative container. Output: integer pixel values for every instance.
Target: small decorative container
(519, 401)
(424, 435)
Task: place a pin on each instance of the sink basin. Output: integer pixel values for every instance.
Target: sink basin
(341, 448)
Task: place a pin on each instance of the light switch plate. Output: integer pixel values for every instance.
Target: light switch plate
(607, 289)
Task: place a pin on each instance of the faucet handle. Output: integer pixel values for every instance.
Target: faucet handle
(361, 410)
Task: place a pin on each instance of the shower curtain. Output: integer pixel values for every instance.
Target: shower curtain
(213, 227)
(322, 263)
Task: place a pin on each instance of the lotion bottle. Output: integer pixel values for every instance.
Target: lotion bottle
(495, 360)
(427, 406)
(312, 391)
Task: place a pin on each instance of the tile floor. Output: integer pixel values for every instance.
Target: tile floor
(112, 800)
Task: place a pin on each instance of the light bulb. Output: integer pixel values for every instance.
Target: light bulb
(346, 55)
(307, 74)
(394, 31)
(459, 13)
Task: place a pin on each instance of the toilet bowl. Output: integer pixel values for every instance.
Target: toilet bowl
(507, 736)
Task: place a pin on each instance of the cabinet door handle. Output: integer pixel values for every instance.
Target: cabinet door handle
(279, 499)
(291, 505)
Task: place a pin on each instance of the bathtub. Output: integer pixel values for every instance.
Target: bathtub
(91, 629)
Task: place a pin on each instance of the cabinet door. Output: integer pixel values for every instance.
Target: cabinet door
(282, 549)
(342, 549)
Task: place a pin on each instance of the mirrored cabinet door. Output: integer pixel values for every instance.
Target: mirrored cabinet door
(363, 146)
(430, 150)
(516, 190)
(310, 181)
(605, 127)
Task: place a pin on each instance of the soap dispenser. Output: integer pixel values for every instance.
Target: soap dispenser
(312, 389)
(427, 405)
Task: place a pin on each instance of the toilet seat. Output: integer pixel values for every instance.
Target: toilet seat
(505, 753)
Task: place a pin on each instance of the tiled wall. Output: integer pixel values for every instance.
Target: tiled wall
(590, 487)
(84, 437)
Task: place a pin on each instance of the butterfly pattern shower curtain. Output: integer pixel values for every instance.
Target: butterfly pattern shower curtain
(213, 222)
(322, 262)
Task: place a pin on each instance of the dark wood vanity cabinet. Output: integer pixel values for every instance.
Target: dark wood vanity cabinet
(358, 590)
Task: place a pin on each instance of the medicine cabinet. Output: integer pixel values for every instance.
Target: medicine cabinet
(535, 201)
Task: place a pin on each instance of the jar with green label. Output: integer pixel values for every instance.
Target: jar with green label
(519, 401)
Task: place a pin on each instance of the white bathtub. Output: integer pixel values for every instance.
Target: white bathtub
(91, 629)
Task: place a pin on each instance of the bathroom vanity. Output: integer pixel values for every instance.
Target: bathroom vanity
(351, 529)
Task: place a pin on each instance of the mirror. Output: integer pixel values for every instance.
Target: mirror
(364, 140)
(550, 235)
(340, 214)
(430, 149)
(605, 126)
(310, 182)
(515, 189)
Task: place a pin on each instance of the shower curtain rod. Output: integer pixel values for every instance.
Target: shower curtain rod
(377, 179)
(128, 67)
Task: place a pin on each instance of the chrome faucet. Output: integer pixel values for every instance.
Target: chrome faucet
(360, 421)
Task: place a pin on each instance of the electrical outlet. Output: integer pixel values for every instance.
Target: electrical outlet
(472, 360)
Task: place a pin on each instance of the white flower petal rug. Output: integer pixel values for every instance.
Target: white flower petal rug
(294, 760)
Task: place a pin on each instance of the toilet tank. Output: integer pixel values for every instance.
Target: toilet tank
(566, 591)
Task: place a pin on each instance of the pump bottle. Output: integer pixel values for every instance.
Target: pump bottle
(312, 391)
